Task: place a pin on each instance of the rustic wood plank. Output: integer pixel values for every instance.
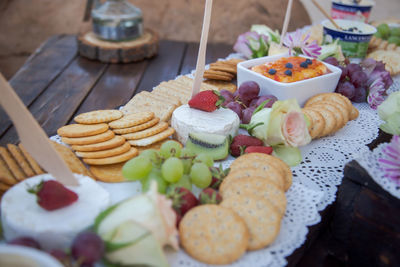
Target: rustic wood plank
(58, 103)
(214, 52)
(40, 70)
(116, 87)
(165, 66)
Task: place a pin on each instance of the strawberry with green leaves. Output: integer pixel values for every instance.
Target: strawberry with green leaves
(208, 100)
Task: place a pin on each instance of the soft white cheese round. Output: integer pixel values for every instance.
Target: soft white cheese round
(186, 120)
(22, 216)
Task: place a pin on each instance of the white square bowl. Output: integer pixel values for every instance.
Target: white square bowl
(301, 90)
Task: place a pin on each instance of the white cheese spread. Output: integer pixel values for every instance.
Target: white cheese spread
(22, 216)
(186, 120)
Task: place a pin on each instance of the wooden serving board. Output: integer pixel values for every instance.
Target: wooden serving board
(146, 46)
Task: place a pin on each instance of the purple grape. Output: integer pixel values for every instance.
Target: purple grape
(272, 100)
(227, 95)
(253, 102)
(332, 60)
(352, 67)
(87, 247)
(360, 95)
(358, 78)
(344, 73)
(236, 107)
(347, 89)
(247, 91)
(25, 241)
(247, 113)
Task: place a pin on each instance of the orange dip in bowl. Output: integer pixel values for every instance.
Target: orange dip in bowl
(291, 69)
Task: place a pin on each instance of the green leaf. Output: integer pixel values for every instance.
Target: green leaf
(261, 106)
(250, 127)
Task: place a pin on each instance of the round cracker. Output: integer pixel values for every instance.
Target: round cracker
(105, 153)
(258, 161)
(153, 139)
(271, 176)
(111, 173)
(213, 234)
(339, 119)
(330, 121)
(147, 132)
(132, 152)
(88, 140)
(335, 97)
(82, 130)
(318, 122)
(261, 217)
(113, 142)
(138, 128)
(258, 187)
(98, 116)
(132, 120)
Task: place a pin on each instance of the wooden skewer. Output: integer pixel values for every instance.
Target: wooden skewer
(325, 14)
(201, 56)
(286, 21)
(33, 137)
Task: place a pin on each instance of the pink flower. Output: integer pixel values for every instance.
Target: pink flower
(295, 42)
(294, 129)
(251, 44)
(391, 163)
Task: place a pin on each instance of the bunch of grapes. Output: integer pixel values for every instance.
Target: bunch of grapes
(172, 166)
(353, 81)
(245, 100)
(87, 248)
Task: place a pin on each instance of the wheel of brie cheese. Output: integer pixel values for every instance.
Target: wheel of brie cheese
(22, 216)
(186, 120)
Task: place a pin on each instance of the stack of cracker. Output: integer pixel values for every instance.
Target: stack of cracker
(142, 130)
(99, 147)
(222, 70)
(16, 164)
(254, 204)
(167, 96)
(328, 113)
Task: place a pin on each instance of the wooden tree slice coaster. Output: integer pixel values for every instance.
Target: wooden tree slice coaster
(92, 47)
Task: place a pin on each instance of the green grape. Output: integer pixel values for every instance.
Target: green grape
(206, 159)
(187, 152)
(384, 30)
(137, 168)
(200, 175)
(151, 154)
(155, 175)
(170, 148)
(394, 40)
(378, 35)
(395, 31)
(172, 170)
(184, 182)
(187, 164)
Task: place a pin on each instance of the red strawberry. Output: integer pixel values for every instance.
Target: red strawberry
(241, 141)
(208, 100)
(209, 196)
(182, 200)
(258, 149)
(52, 195)
(218, 175)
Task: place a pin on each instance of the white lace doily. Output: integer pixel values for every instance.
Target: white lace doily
(369, 161)
(315, 183)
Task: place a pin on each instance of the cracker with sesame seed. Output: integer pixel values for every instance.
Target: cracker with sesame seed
(213, 234)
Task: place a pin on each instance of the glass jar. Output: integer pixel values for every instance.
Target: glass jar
(117, 20)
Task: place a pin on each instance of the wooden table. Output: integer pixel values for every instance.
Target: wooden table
(57, 84)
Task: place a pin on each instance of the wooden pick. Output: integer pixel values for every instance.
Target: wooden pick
(286, 21)
(201, 56)
(325, 14)
(33, 137)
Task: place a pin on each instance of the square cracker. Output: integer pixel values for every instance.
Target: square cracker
(5, 174)
(20, 159)
(72, 161)
(12, 164)
(35, 166)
